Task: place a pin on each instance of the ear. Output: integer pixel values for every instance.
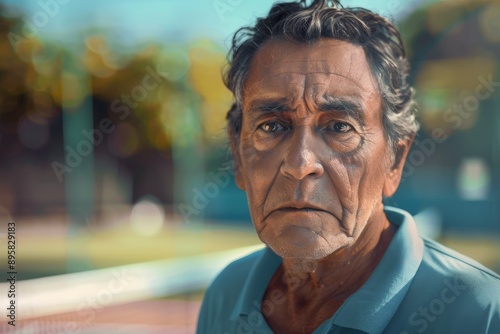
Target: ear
(394, 177)
(235, 153)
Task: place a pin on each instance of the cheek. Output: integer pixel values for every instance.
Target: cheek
(345, 174)
(367, 180)
(358, 180)
(259, 170)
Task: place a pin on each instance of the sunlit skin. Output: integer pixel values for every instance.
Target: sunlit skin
(314, 162)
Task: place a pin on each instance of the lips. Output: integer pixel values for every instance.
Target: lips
(298, 207)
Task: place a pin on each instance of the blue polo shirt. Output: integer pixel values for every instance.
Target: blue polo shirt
(419, 286)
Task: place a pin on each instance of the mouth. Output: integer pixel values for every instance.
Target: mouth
(300, 207)
(292, 209)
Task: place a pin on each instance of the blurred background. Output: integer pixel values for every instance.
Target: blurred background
(115, 166)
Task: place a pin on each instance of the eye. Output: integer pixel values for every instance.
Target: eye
(272, 127)
(341, 127)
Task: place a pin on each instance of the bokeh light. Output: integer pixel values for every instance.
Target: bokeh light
(474, 179)
(147, 217)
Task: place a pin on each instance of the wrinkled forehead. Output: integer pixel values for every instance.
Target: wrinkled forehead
(329, 66)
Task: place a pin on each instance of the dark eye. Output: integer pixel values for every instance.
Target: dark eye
(341, 127)
(272, 127)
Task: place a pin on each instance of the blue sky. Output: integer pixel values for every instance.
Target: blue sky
(137, 21)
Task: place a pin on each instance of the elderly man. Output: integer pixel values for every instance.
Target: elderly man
(322, 122)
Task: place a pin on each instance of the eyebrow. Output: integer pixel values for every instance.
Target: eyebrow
(350, 107)
(270, 106)
(346, 106)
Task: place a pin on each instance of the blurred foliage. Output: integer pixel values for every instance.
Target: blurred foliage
(32, 72)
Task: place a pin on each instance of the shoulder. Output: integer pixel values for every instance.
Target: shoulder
(446, 262)
(481, 285)
(450, 293)
(455, 292)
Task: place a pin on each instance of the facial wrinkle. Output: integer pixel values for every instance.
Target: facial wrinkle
(267, 194)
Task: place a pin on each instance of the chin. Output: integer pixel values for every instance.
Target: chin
(301, 243)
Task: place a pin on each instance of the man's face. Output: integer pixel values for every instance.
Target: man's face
(312, 155)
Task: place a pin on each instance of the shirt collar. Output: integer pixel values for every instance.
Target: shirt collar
(371, 307)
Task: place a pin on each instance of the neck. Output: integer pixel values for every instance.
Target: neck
(311, 284)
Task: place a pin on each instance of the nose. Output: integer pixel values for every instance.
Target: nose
(301, 159)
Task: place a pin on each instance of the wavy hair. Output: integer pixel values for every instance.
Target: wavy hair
(303, 23)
